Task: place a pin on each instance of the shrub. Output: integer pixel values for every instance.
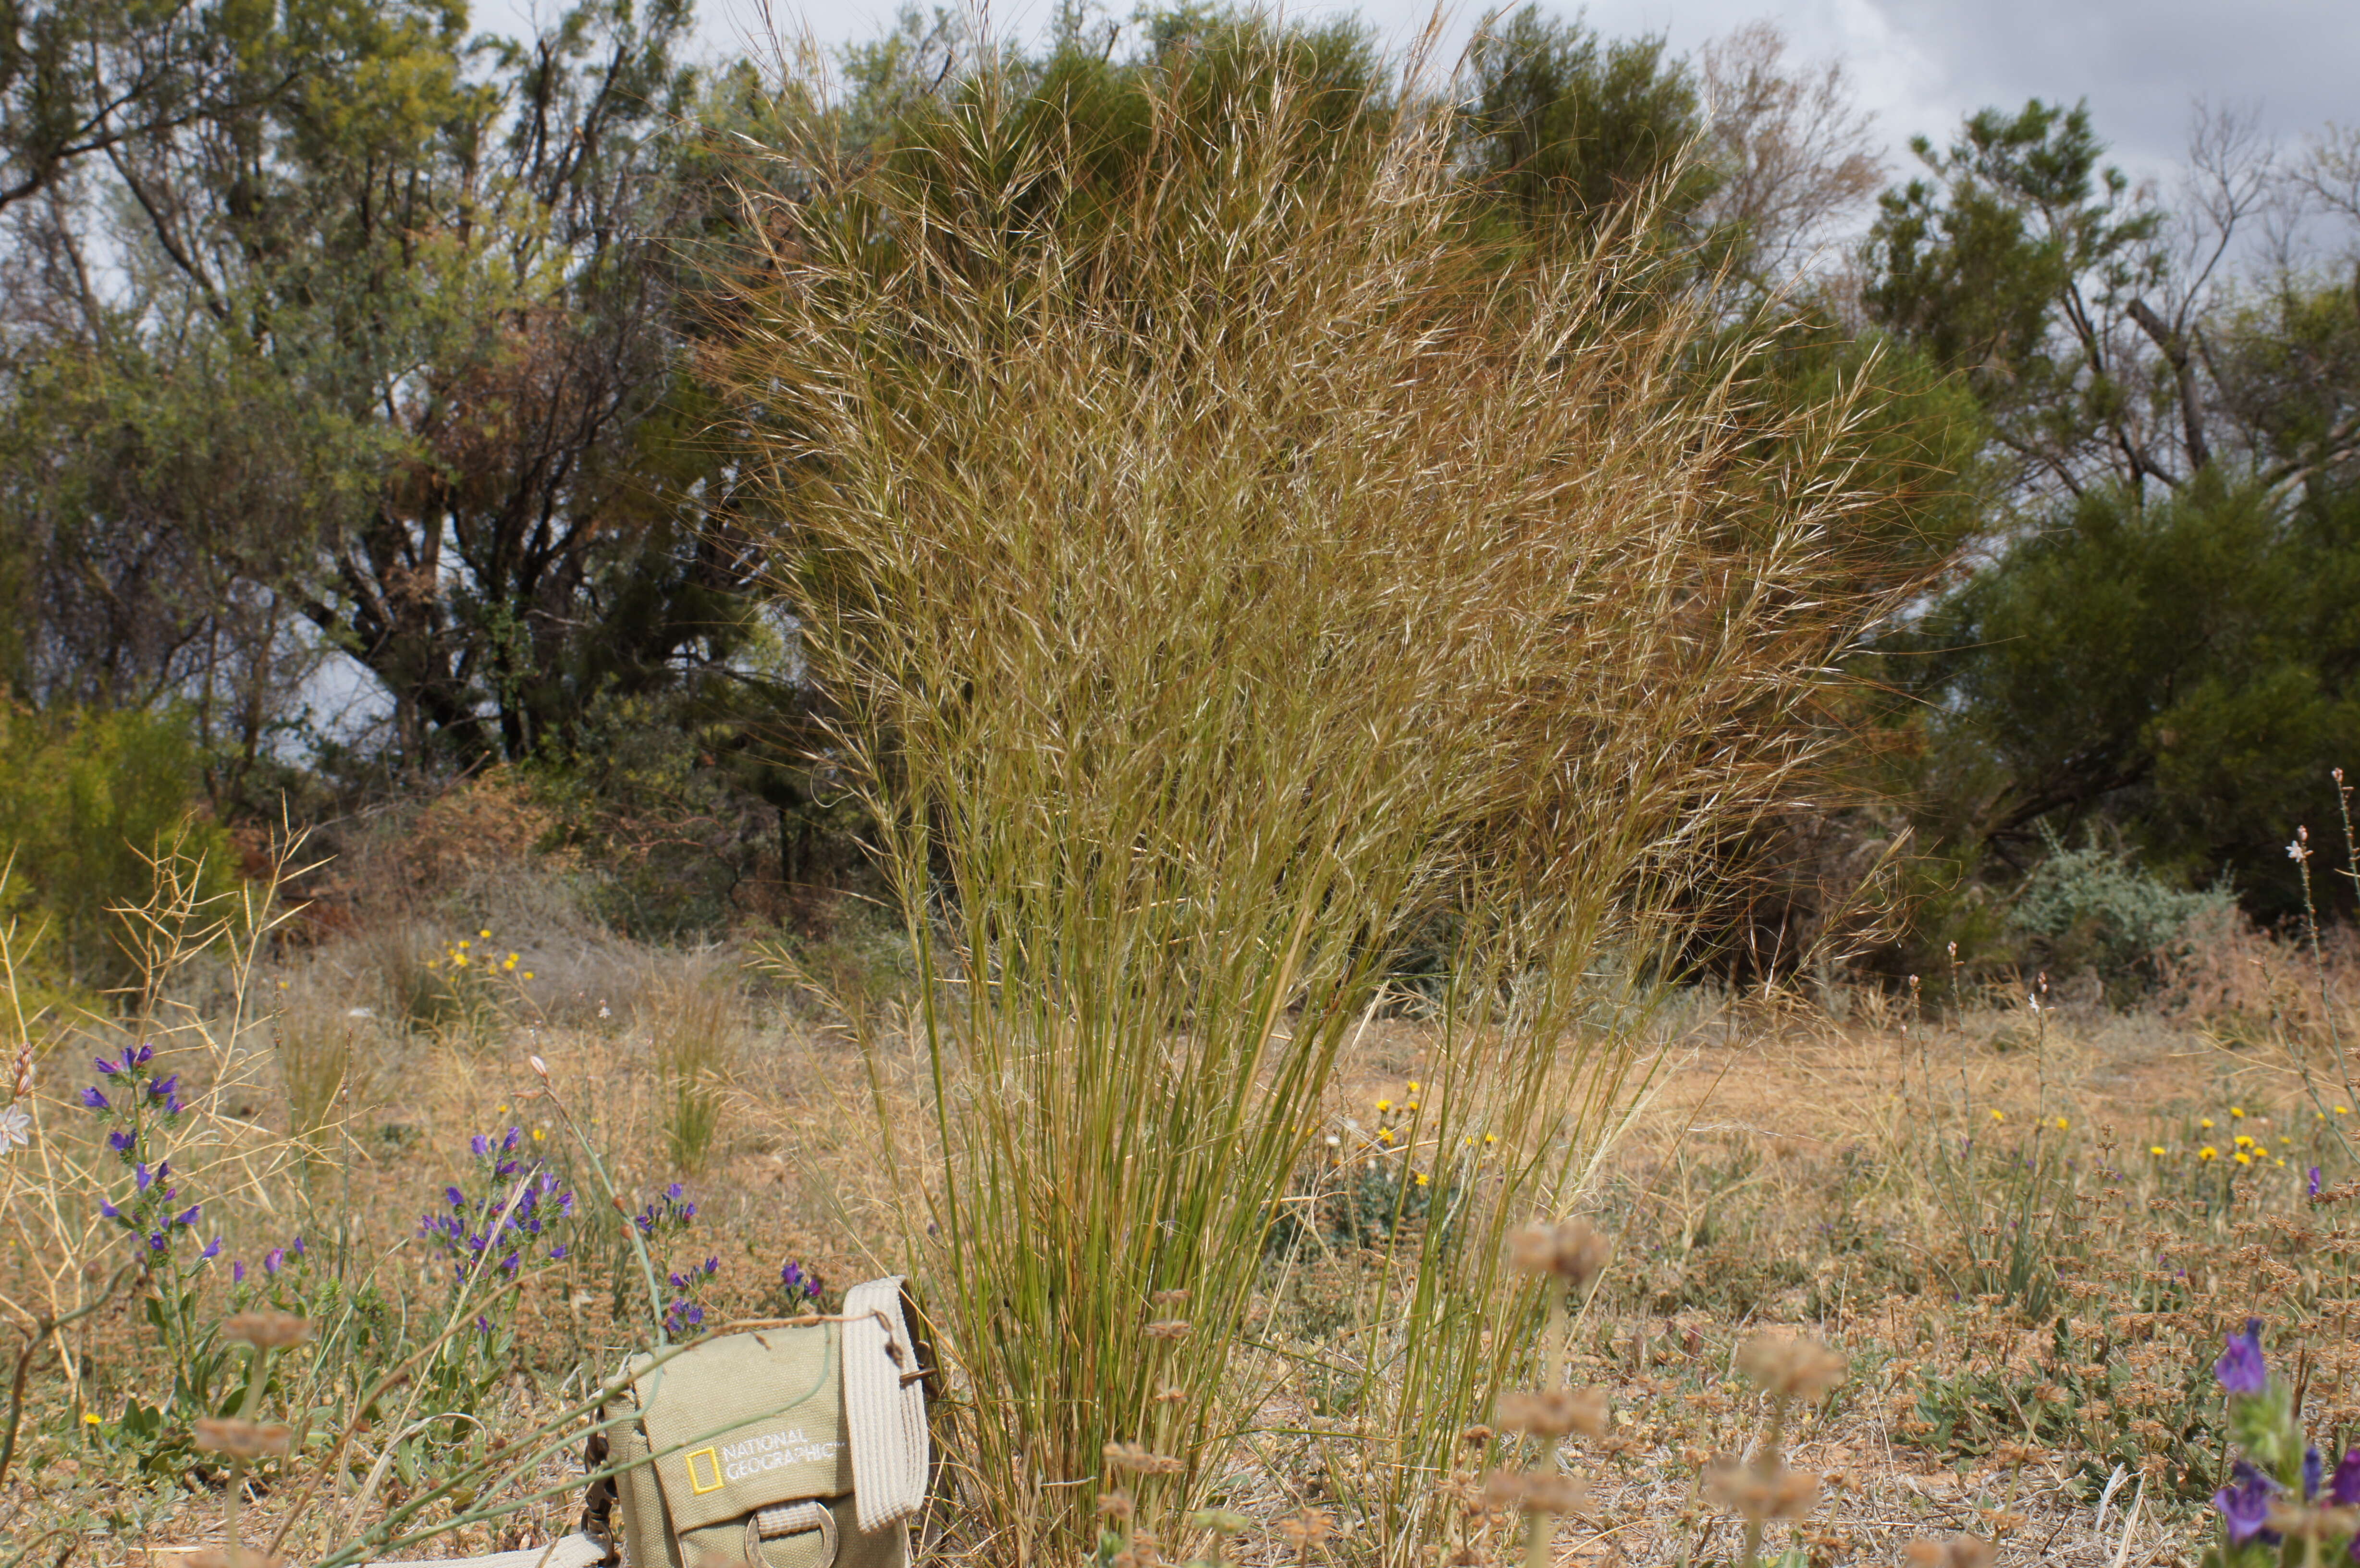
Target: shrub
(87, 800)
(2092, 907)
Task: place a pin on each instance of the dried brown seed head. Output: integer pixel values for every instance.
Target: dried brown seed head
(1759, 1495)
(1536, 1491)
(234, 1557)
(1170, 1298)
(266, 1330)
(1306, 1528)
(1553, 1413)
(1116, 1505)
(1959, 1551)
(1169, 1328)
(1570, 1249)
(243, 1439)
(1789, 1366)
(1140, 1460)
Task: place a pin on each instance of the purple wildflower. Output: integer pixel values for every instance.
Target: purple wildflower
(2245, 1506)
(2343, 1488)
(2240, 1368)
(94, 1100)
(274, 1260)
(141, 1176)
(189, 1217)
(2311, 1182)
(2311, 1467)
(123, 1143)
(106, 1066)
(295, 1247)
(156, 1242)
(139, 1056)
(162, 1088)
(237, 1271)
(212, 1251)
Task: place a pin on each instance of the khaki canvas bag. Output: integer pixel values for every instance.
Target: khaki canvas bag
(799, 1445)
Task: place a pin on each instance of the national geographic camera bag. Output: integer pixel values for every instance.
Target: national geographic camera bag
(795, 1445)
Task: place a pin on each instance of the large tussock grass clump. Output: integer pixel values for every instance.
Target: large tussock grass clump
(1222, 565)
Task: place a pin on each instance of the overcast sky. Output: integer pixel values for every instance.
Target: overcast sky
(1918, 65)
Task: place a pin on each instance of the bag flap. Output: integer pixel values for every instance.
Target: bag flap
(744, 1421)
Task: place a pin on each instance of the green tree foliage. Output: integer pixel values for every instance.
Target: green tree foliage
(2158, 641)
(429, 273)
(1559, 123)
(2012, 263)
(87, 801)
(2186, 669)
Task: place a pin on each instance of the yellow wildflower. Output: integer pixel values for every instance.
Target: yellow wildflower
(2237, 1111)
(2155, 1149)
(2208, 1152)
(1384, 1105)
(2244, 1158)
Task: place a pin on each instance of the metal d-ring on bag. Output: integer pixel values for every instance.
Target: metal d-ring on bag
(798, 1443)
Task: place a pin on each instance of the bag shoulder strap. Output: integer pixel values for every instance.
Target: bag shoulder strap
(884, 1405)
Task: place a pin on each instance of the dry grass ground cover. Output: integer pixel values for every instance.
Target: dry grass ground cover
(1863, 1180)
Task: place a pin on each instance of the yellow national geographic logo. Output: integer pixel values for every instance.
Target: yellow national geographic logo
(698, 1484)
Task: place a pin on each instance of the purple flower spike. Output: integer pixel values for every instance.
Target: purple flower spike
(162, 1088)
(140, 1057)
(172, 1107)
(156, 1243)
(2311, 1467)
(212, 1251)
(479, 1145)
(557, 1253)
(295, 1247)
(2311, 1182)
(109, 1210)
(141, 1176)
(94, 1100)
(2240, 1368)
(189, 1217)
(237, 1271)
(123, 1143)
(2343, 1488)
(2245, 1506)
(274, 1260)
(673, 1191)
(105, 1066)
